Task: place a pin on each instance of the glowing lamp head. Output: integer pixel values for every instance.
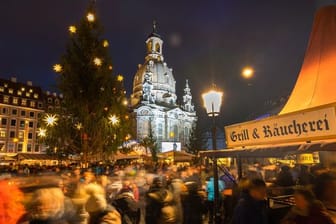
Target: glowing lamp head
(72, 29)
(113, 119)
(247, 72)
(212, 102)
(90, 17)
(97, 61)
(78, 126)
(58, 68)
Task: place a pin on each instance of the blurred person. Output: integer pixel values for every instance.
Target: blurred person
(251, 207)
(127, 206)
(307, 210)
(177, 187)
(210, 189)
(49, 206)
(305, 177)
(160, 206)
(324, 188)
(193, 205)
(100, 212)
(11, 207)
(284, 177)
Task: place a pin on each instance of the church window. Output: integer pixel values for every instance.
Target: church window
(149, 46)
(157, 47)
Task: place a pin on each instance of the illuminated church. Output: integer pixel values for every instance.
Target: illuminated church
(154, 99)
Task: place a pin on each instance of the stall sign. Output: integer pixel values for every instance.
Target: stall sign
(301, 126)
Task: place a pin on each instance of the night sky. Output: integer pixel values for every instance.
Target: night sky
(205, 41)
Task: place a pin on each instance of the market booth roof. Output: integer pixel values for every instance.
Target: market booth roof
(272, 151)
(316, 83)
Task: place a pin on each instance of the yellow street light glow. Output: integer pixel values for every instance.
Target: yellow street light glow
(72, 29)
(97, 61)
(42, 132)
(113, 119)
(90, 17)
(110, 67)
(247, 72)
(125, 102)
(50, 119)
(57, 68)
(120, 78)
(79, 126)
(15, 139)
(105, 43)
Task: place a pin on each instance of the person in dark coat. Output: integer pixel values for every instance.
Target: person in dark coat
(307, 210)
(251, 207)
(193, 205)
(284, 178)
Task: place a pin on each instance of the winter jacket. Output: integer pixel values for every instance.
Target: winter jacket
(250, 211)
(160, 207)
(211, 188)
(109, 216)
(316, 215)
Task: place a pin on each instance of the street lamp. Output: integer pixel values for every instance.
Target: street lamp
(212, 103)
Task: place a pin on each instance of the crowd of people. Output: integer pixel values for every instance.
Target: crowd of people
(164, 194)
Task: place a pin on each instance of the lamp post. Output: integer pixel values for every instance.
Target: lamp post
(212, 103)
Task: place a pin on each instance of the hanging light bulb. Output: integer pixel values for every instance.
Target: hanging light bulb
(97, 61)
(120, 78)
(57, 68)
(105, 43)
(72, 29)
(90, 17)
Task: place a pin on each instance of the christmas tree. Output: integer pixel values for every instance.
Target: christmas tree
(94, 110)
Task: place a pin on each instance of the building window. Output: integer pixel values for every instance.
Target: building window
(12, 134)
(27, 94)
(10, 91)
(31, 124)
(35, 95)
(37, 148)
(31, 114)
(6, 99)
(14, 111)
(10, 147)
(29, 147)
(49, 100)
(4, 121)
(2, 89)
(39, 105)
(24, 102)
(13, 122)
(4, 110)
(23, 113)
(2, 134)
(21, 134)
(20, 146)
(30, 135)
(32, 103)
(23, 89)
(15, 100)
(22, 124)
(57, 102)
(19, 93)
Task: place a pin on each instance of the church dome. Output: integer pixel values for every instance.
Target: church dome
(161, 76)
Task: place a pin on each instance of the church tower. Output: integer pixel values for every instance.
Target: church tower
(154, 99)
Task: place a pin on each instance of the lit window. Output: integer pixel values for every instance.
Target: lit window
(21, 135)
(19, 93)
(23, 89)
(22, 124)
(35, 95)
(24, 102)
(15, 100)
(2, 89)
(10, 91)
(2, 134)
(5, 85)
(31, 90)
(27, 94)
(6, 99)
(32, 103)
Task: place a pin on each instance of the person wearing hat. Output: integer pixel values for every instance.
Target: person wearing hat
(100, 212)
